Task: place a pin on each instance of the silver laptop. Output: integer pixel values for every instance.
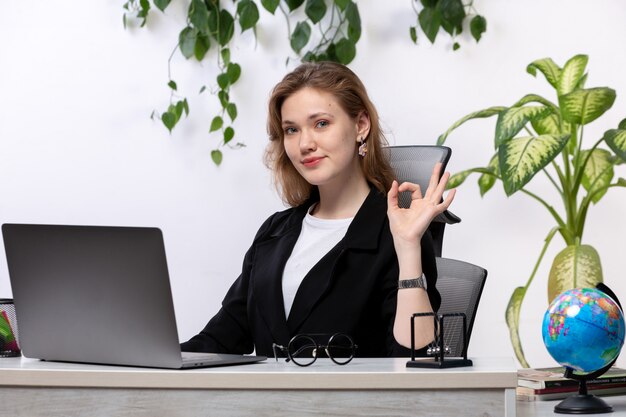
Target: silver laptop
(97, 295)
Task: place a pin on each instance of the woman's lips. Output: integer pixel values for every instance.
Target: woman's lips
(311, 162)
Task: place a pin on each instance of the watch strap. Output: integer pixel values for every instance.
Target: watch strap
(419, 282)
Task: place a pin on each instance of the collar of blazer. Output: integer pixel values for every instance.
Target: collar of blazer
(272, 254)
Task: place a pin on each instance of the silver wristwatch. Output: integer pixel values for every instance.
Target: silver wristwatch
(419, 282)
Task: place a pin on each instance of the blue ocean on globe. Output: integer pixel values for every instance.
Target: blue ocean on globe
(583, 329)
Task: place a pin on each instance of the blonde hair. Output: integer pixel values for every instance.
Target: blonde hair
(350, 92)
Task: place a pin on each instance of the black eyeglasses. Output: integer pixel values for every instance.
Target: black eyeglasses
(303, 350)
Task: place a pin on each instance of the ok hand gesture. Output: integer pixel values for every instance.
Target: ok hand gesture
(409, 225)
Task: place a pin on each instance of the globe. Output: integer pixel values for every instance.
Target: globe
(583, 329)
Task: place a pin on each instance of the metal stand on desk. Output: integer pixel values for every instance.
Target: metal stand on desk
(440, 349)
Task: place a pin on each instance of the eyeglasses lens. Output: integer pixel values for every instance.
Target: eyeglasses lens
(303, 350)
(341, 349)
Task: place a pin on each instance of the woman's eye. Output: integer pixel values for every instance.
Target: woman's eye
(290, 130)
(322, 123)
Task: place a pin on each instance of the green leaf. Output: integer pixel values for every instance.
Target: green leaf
(169, 120)
(161, 4)
(512, 321)
(512, 120)
(572, 72)
(225, 53)
(585, 106)
(223, 80)
(216, 156)
(315, 10)
(481, 114)
(345, 50)
(270, 5)
(452, 15)
(342, 4)
(233, 71)
(549, 125)
(354, 22)
(226, 27)
(229, 134)
(300, 36)
(202, 46)
(174, 110)
(248, 14)
(216, 124)
(456, 46)
(616, 139)
(187, 41)
(413, 34)
(478, 26)
(622, 125)
(199, 15)
(186, 107)
(430, 22)
(522, 158)
(576, 266)
(548, 68)
(429, 3)
(231, 109)
(172, 85)
(223, 96)
(598, 172)
(457, 179)
(534, 98)
(180, 107)
(294, 4)
(487, 181)
(202, 89)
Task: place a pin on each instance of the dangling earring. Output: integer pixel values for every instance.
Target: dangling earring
(362, 147)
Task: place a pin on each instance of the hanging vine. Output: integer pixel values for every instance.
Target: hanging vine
(338, 23)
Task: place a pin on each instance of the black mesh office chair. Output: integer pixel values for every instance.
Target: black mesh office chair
(460, 285)
(415, 164)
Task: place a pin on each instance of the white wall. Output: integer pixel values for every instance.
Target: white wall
(77, 145)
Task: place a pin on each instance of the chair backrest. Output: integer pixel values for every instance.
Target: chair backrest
(415, 163)
(460, 285)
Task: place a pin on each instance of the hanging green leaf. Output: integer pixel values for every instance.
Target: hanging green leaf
(223, 80)
(491, 111)
(187, 41)
(622, 125)
(172, 85)
(186, 107)
(223, 97)
(430, 22)
(456, 46)
(229, 134)
(413, 34)
(231, 109)
(233, 71)
(199, 15)
(169, 120)
(315, 10)
(225, 54)
(452, 15)
(270, 5)
(512, 120)
(585, 106)
(216, 124)
(300, 36)
(161, 4)
(345, 50)
(342, 4)
(248, 14)
(226, 27)
(294, 4)
(616, 139)
(354, 22)
(478, 26)
(573, 71)
(548, 68)
(512, 321)
(202, 46)
(486, 181)
(216, 156)
(521, 158)
(598, 172)
(576, 266)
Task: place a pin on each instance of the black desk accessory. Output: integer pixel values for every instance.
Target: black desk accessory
(439, 349)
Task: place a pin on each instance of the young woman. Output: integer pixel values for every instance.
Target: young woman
(340, 258)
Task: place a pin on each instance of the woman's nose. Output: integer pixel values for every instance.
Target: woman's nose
(307, 141)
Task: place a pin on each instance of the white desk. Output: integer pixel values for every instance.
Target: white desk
(364, 387)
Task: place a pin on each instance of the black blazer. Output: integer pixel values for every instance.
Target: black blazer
(352, 289)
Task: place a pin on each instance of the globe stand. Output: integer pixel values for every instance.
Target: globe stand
(584, 403)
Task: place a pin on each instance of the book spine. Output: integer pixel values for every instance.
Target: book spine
(569, 382)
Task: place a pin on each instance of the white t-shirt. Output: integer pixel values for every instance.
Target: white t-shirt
(317, 238)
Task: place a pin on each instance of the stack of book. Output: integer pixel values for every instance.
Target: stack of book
(550, 384)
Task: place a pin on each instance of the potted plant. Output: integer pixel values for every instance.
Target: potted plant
(536, 135)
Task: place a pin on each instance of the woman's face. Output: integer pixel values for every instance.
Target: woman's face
(320, 138)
